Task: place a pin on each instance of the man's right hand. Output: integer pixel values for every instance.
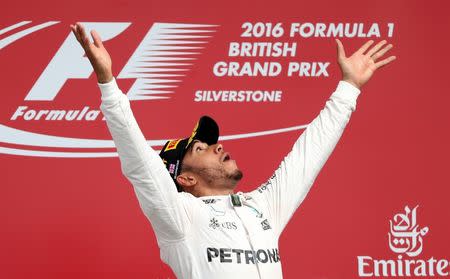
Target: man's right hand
(96, 53)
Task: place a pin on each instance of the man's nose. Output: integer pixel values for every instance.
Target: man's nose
(219, 148)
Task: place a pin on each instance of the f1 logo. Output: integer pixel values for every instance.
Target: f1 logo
(158, 63)
(69, 62)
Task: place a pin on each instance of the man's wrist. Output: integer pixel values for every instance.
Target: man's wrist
(105, 78)
(352, 83)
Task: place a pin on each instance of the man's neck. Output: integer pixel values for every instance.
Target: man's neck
(210, 192)
(201, 191)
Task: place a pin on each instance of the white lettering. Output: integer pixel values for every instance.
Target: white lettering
(262, 49)
(361, 264)
(22, 112)
(320, 30)
(18, 112)
(92, 115)
(222, 68)
(308, 69)
(55, 115)
(368, 267)
(237, 96)
(384, 265)
(40, 114)
(29, 114)
(441, 265)
(421, 269)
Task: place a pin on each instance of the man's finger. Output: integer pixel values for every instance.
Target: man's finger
(73, 28)
(362, 49)
(340, 49)
(96, 38)
(83, 36)
(376, 48)
(75, 32)
(384, 62)
(380, 53)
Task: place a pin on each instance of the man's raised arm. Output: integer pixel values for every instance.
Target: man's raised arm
(285, 190)
(153, 186)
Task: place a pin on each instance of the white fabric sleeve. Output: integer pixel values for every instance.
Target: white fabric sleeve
(154, 188)
(285, 190)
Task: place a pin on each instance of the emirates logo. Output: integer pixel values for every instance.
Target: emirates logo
(405, 236)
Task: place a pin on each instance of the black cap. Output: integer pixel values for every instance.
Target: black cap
(206, 130)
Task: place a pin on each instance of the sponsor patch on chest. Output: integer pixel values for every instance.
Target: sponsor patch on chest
(216, 224)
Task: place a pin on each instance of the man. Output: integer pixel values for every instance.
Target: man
(205, 230)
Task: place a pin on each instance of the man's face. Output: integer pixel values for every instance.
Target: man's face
(212, 164)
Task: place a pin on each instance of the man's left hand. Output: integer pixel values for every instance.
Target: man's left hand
(359, 68)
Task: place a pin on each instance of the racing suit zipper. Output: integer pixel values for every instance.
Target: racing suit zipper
(246, 230)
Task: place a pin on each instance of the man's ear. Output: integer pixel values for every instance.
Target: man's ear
(186, 180)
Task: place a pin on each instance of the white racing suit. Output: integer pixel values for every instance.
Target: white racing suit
(224, 236)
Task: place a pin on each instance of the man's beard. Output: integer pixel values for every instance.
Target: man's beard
(218, 176)
(236, 175)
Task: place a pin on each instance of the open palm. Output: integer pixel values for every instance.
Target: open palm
(96, 53)
(360, 66)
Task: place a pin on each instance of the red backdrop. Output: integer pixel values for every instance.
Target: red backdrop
(67, 212)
